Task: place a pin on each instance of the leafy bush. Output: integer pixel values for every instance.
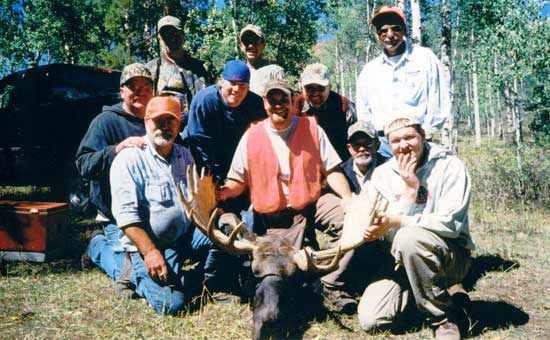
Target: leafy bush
(498, 180)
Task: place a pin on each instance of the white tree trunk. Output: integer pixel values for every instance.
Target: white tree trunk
(416, 31)
(477, 125)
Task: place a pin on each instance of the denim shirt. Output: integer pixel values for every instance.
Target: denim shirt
(143, 188)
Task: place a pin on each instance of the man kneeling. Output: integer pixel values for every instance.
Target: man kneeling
(426, 225)
(158, 237)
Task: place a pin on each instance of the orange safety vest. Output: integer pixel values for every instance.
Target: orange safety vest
(266, 192)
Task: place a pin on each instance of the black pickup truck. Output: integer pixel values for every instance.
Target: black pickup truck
(45, 111)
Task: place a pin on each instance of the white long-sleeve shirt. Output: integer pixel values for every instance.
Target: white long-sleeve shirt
(412, 85)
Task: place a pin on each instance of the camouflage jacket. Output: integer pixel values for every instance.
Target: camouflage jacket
(183, 80)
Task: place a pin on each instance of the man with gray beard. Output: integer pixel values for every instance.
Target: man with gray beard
(157, 236)
(362, 145)
(340, 285)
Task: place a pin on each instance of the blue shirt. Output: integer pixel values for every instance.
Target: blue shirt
(143, 189)
(214, 129)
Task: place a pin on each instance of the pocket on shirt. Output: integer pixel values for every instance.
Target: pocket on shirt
(158, 195)
(413, 86)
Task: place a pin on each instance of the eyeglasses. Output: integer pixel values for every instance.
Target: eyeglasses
(312, 88)
(394, 28)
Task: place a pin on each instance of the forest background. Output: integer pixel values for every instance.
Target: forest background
(497, 55)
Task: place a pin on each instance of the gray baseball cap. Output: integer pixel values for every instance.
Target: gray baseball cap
(134, 70)
(364, 127)
(315, 74)
(277, 84)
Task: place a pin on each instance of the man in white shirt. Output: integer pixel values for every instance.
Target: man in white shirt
(404, 79)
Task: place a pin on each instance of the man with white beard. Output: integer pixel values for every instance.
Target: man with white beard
(362, 145)
(158, 237)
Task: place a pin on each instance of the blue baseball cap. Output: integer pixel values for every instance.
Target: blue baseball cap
(236, 70)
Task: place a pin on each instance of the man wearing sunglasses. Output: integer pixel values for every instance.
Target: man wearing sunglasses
(404, 79)
(362, 145)
(175, 72)
(333, 112)
(252, 45)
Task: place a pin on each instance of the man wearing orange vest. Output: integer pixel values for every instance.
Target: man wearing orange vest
(282, 161)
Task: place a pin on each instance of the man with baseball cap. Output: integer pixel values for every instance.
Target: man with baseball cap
(334, 112)
(252, 45)
(118, 127)
(282, 161)
(405, 79)
(219, 116)
(175, 72)
(426, 231)
(362, 145)
(156, 235)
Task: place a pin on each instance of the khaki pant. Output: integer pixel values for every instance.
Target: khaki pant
(429, 265)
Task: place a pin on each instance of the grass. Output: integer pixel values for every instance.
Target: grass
(509, 286)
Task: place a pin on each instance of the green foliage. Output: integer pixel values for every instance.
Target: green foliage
(498, 181)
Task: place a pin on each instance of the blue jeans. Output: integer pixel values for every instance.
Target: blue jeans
(172, 296)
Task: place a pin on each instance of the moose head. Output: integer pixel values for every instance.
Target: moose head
(275, 262)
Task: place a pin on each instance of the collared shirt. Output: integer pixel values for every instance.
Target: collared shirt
(264, 72)
(411, 85)
(143, 187)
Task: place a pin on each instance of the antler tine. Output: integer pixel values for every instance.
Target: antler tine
(229, 243)
(304, 260)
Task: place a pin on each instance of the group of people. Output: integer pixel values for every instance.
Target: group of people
(288, 164)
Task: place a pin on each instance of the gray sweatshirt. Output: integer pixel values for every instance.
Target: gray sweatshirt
(448, 184)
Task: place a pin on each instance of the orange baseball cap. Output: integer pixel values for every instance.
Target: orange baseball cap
(163, 105)
(387, 11)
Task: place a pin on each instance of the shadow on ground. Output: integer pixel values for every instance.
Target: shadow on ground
(489, 315)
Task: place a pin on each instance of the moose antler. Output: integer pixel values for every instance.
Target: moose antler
(200, 207)
(352, 235)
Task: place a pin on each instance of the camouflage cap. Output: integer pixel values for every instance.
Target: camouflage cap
(364, 127)
(169, 21)
(134, 70)
(252, 28)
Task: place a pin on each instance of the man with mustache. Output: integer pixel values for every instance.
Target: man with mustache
(282, 161)
(362, 145)
(426, 232)
(157, 236)
(175, 72)
(252, 45)
(405, 78)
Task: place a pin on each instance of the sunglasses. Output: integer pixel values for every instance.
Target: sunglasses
(248, 40)
(312, 88)
(394, 28)
(366, 144)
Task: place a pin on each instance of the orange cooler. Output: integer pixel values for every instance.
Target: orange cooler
(32, 231)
